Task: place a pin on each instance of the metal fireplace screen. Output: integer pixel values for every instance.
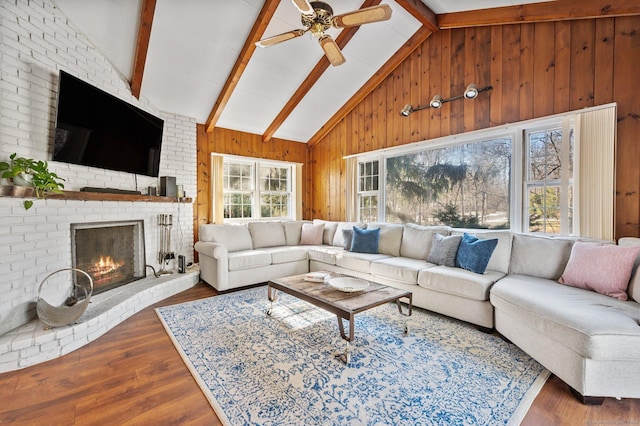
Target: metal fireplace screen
(111, 252)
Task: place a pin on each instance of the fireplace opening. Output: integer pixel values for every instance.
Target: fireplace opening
(112, 253)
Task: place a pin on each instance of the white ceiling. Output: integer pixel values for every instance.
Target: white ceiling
(194, 45)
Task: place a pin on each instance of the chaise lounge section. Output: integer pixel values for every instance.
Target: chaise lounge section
(587, 339)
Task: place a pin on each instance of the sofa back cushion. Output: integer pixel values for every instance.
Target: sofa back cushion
(634, 285)
(338, 238)
(292, 231)
(329, 230)
(500, 258)
(417, 240)
(267, 234)
(232, 237)
(540, 256)
(390, 238)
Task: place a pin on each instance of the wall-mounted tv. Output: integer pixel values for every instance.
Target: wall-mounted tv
(97, 129)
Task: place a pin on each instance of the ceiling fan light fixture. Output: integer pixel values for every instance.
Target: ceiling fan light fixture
(436, 102)
(471, 92)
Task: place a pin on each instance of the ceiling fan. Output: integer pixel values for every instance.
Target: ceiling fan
(317, 17)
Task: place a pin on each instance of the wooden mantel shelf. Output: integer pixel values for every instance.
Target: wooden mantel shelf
(26, 192)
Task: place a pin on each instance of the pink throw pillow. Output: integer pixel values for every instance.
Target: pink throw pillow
(600, 267)
(312, 234)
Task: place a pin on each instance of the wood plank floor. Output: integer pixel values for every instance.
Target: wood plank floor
(134, 375)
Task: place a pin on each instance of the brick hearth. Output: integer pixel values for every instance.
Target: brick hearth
(33, 343)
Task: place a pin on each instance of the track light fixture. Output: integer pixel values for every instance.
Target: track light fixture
(471, 92)
(436, 102)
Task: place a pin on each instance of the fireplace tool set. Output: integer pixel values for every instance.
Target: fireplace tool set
(165, 221)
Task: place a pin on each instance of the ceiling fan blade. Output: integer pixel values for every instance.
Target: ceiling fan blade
(270, 41)
(362, 16)
(303, 6)
(331, 50)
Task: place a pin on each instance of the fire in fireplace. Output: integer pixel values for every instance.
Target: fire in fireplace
(111, 252)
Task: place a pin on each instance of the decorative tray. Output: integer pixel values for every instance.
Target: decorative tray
(348, 284)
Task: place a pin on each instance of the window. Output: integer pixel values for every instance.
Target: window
(462, 185)
(275, 190)
(238, 190)
(255, 189)
(368, 183)
(548, 185)
(527, 177)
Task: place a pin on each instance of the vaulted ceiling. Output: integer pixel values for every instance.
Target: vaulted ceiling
(197, 58)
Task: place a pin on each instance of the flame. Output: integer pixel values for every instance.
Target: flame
(107, 264)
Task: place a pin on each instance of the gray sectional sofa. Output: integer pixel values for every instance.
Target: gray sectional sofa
(589, 340)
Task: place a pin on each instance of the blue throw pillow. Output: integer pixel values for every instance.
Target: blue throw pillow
(365, 240)
(474, 253)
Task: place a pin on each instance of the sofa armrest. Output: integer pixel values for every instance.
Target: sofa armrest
(214, 264)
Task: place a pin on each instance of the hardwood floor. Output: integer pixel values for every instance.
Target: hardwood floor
(134, 375)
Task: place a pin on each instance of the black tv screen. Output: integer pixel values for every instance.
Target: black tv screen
(97, 129)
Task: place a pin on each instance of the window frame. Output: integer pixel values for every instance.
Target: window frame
(518, 214)
(256, 191)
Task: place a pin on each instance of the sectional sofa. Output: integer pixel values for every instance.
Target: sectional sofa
(588, 339)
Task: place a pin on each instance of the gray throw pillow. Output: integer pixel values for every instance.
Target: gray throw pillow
(444, 249)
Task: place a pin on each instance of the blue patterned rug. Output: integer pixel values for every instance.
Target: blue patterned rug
(280, 370)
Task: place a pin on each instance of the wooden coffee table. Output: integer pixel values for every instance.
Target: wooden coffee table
(345, 305)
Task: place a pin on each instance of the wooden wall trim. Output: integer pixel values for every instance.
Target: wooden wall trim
(540, 12)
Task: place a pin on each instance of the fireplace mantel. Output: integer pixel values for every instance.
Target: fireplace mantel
(26, 192)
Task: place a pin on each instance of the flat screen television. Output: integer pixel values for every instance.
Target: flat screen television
(97, 129)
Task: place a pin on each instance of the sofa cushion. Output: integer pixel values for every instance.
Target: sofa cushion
(444, 249)
(311, 234)
(474, 253)
(292, 231)
(501, 255)
(329, 230)
(403, 269)
(540, 256)
(417, 240)
(604, 268)
(358, 261)
(338, 238)
(365, 240)
(390, 238)
(248, 259)
(267, 234)
(286, 254)
(232, 237)
(595, 326)
(324, 254)
(634, 285)
(459, 282)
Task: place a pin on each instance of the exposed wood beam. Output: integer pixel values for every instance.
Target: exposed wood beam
(268, 9)
(539, 12)
(421, 12)
(142, 45)
(343, 38)
(403, 53)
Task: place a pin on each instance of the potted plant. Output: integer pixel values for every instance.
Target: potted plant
(34, 173)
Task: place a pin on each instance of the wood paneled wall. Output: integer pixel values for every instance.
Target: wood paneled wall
(535, 69)
(224, 141)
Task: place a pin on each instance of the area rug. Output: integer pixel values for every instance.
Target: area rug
(281, 370)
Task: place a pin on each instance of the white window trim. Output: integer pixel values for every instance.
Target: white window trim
(293, 181)
(515, 131)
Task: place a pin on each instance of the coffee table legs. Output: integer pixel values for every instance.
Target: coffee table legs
(346, 356)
